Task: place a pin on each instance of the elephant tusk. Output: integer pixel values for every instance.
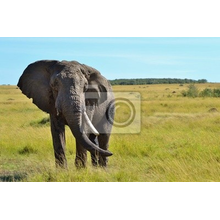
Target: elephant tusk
(89, 123)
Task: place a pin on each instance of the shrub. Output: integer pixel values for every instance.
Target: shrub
(194, 92)
(27, 150)
(216, 92)
(206, 93)
(191, 92)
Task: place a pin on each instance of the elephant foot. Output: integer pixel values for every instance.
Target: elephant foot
(94, 160)
(103, 161)
(99, 161)
(80, 162)
(61, 162)
(80, 165)
(61, 166)
(81, 159)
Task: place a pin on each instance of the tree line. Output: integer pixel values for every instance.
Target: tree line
(145, 81)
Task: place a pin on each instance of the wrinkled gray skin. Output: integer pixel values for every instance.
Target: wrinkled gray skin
(63, 90)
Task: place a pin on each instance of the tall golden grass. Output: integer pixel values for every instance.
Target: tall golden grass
(179, 140)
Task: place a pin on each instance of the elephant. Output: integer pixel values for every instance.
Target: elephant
(75, 95)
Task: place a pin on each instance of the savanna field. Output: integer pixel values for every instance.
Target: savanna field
(179, 140)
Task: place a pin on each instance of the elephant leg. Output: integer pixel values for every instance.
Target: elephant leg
(94, 158)
(81, 156)
(103, 143)
(59, 142)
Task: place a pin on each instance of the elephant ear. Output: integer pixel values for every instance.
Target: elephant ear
(35, 83)
(97, 91)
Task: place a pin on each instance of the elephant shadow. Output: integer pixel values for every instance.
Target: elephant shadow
(12, 176)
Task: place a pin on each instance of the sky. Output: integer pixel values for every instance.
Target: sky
(117, 57)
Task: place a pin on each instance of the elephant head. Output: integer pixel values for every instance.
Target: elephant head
(62, 88)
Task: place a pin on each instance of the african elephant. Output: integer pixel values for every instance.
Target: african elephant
(76, 95)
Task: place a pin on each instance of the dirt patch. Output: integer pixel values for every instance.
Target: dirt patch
(211, 110)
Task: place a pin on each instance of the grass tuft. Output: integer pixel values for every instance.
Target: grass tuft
(27, 150)
(42, 122)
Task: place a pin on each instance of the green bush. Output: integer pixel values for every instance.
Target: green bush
(206, 93)
(194, 92)
(216, 92)
(191, 92)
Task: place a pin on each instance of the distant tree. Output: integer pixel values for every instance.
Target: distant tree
(202, 81)
(145, 81)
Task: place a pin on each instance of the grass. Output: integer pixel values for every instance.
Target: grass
(179, 140)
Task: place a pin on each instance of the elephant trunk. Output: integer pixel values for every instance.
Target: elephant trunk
(74, 121)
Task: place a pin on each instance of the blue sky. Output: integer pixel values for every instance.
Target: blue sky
(144, 57)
